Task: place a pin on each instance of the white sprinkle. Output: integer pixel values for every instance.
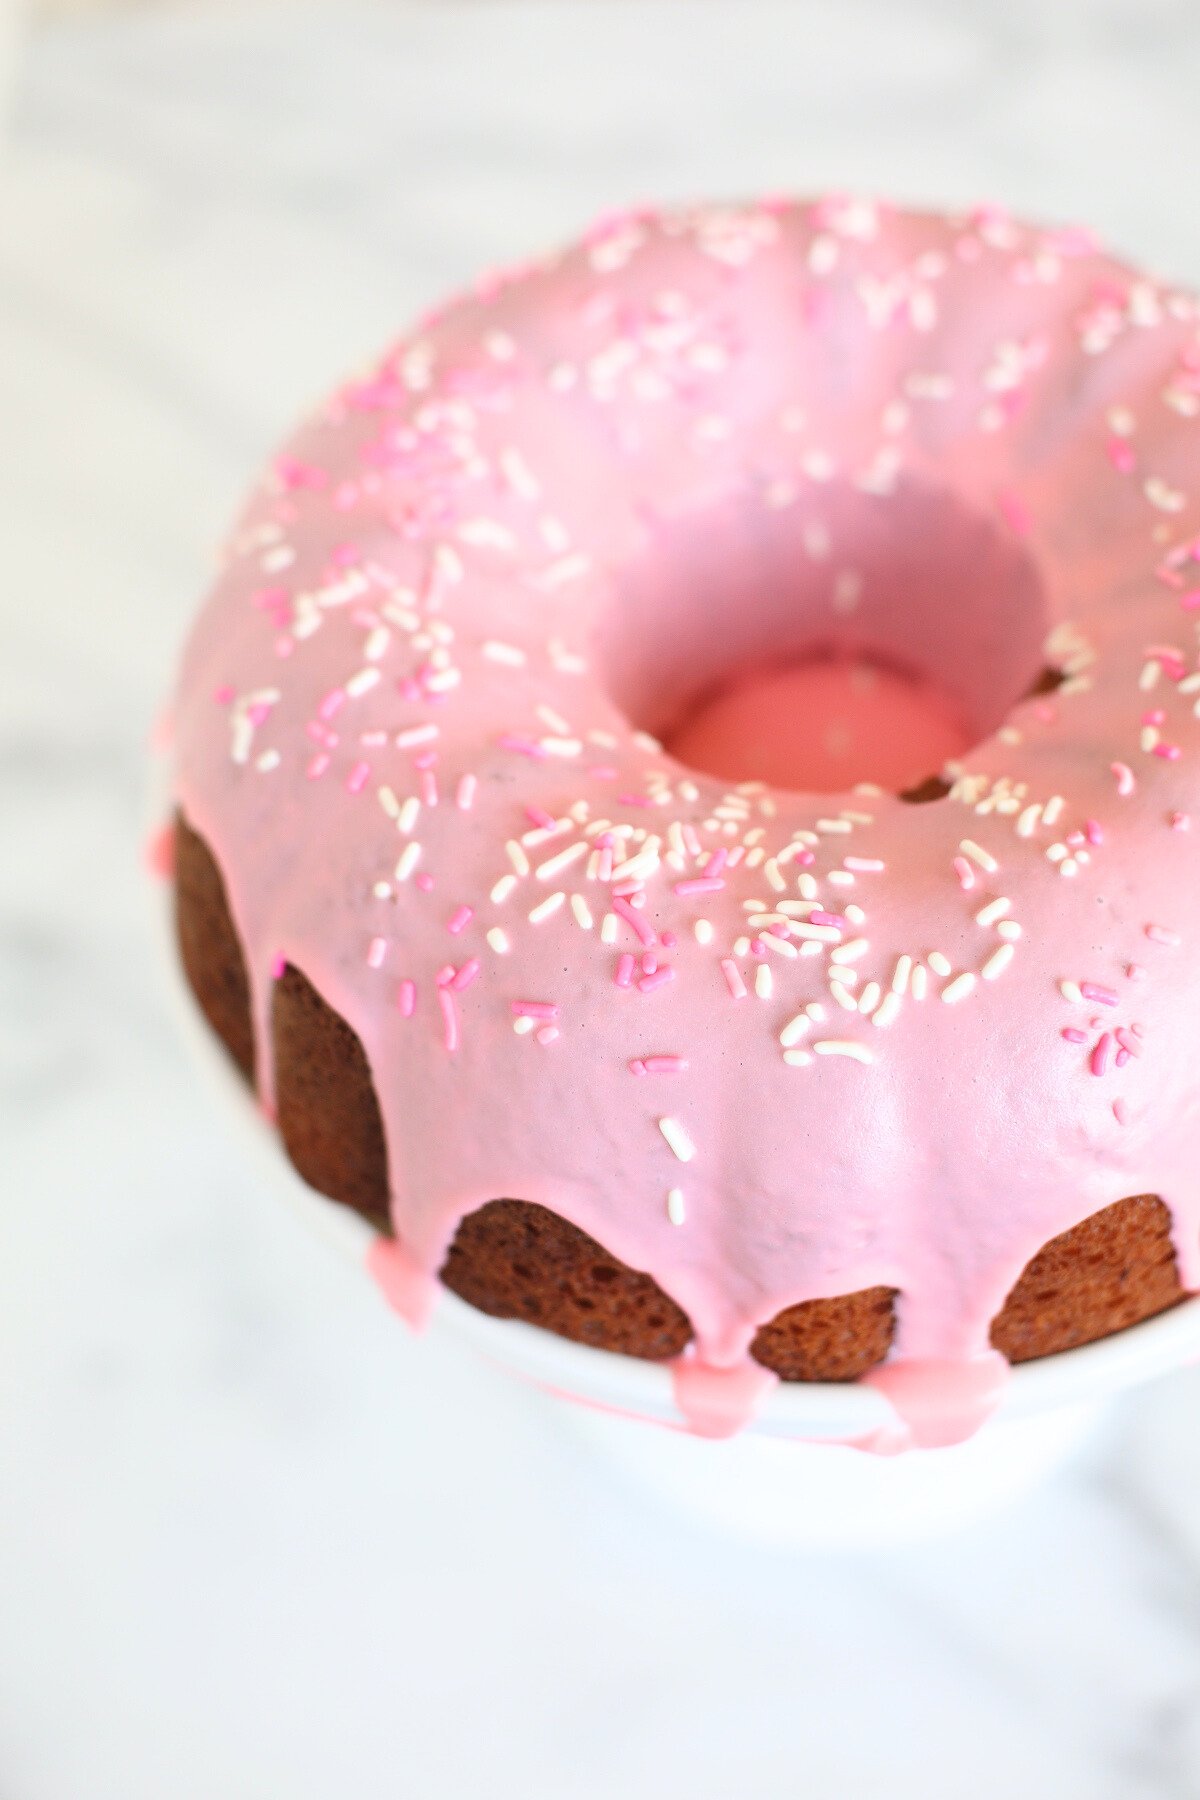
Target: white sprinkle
(497, 937)
(407, 816)
(503, 653)
(416, 734)
(365, 680)
(1070, 990)
(977, 854)
(820, 934)
(887, 1012)
(503, 889)
(774, 875)
(703, 930)
(546, 908)
(941, 965)
(524, 1025)
(843, 996)
(582, 911)
(610, 925)
(675, 1207)
(959, 988)
(677, 1138)
(409, 859)
(376, 952)
(995, 909)
(764, 982)
(844, 1047)
(553, 864)
(389, 802)
(794, 1030)
(517, 857)
(464, 797)
(797, 1059)
(868, 1000)
(901, 974)
(920, 981)
(850, 952)
(1009, 930)
(1027, 823)
(1052, 809)
(996, 963)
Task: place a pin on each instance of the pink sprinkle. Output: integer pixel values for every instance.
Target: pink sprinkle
(660, 977)
(1100, 1055)
(356, 780)
(1094, 831)
(318, 765)
(635, 800)
(1181, 821)
(700, 884)
(1160, 934)
(1120, 1112)
(637, 1066)
(376, 952)
(450, 1016)
(665, 1065)
(541, 818)
(460, 919)
(716, 862)
(1103, 996)
(624, 911)
(333, 700)
(1014, 511)
(223, 694)
(1134, 972)
(1073, 1034)
(733, 976)
(826, 918)
(649, 963)
(523, 746)
(1125, 779)
(445, 975)
(625, 966)
(1191, 600)
(278, 965)
(465, 796)
(547, 1034)
(406, 998)
(1120, 454)
(534, 1009)
(466, 975)
(429, 790)
(1128, 1042)
(1168, 752)
(964, 871)
(667, 939)
(1122, 1057)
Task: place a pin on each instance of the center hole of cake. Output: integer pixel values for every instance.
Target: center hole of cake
(846, 638)
(824, 725)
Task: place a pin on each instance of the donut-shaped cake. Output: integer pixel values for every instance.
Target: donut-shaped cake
(491, 874)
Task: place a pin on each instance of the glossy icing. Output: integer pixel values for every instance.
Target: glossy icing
(767, 1045)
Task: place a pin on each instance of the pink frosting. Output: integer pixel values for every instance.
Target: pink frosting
(768, 1045)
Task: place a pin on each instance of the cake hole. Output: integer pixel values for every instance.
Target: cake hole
(849, 638)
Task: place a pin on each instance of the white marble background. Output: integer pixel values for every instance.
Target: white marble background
(253, 1542)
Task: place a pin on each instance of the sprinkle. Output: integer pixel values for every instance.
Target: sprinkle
(409, 859)
(523, 1026)
(1009, 930)
(503, 653)
(677, 1139)
(664, 1065)
(502, 889)
(887, 1011)
(1052, 809)
(460, 920)
(547, 1034)
(609, 927)
(407, 816)
(959, 988)
(703, 931)
(534, 1009)
(844, 1047)
(517, 857)
(964, 871)
(625, 967)
(733, 976)
(941, 965)
(849, 952)
(1073, 1035)
(640, 926)
(1027, 822)
(376, 953)
(920, 981)
(358, 777)
(819, 934)
(466, 975)
(1160, 934)
(1102, 996)
(901, 974)
(449, 1017)
(546, 908)
(864, 865)
(415, 734)
(553, 864)
(986, 861)
(996, 963)
(995, 909)
(845, 999)
(1100, 1055)
(797, 1059)
(1126, 781)
(1070, 990)
(868, 1000)
(406, 998)
(498, 939)
(795, 1029)
(656, 979)
(675, 1208)
(465, 793)
(700, 884)
(582, 912)
(764, 981)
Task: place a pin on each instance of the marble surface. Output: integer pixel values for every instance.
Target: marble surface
(253, 1541)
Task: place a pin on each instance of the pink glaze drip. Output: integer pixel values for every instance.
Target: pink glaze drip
(940, 1402)
(408, 1289)
(559, 513)
(719, 1402)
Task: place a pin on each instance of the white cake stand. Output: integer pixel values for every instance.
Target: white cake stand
(788, 1478)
